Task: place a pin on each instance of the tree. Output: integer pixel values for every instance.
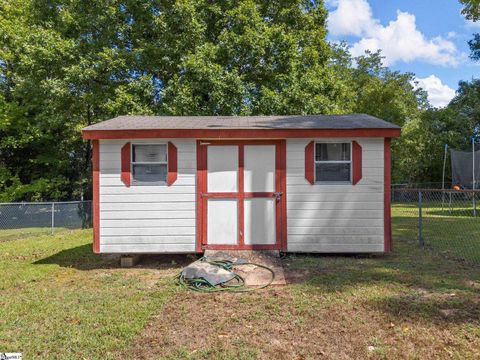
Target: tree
(67, 64)
(421, 152)
(471, 9)
(466, 105)
(420, 156)
(259, 57)
(61, 77)
(387, 94)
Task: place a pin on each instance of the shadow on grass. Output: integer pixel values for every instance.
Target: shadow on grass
(82, 258)
(410, 283)
(438, 307)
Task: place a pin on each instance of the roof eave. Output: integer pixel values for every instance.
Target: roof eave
(240, 133)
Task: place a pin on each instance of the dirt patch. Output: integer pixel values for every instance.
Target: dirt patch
(290, 322)
(297, 276)
(267, 322)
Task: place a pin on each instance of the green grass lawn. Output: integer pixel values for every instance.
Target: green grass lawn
(11, 234)
(452, 232)
(61, 301)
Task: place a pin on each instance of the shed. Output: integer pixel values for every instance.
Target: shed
(180, 184)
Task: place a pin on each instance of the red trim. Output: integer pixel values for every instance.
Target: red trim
(201, 188)
(309, 162)
(244, 247)
(96, 196)
(239, 142)
(357, 162)
(247, 195)
(126, 163)
(387, 197)
(238, 133)
(241, 196)
(283, 199)
(172, 164)
(202, 216)
(278, 204)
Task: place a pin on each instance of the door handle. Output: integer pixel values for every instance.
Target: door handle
(278, 195)
(204, 195)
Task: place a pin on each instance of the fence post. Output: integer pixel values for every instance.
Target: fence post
(53, 216)
(420, 220)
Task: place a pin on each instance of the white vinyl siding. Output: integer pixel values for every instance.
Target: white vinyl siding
(147, 219)
(320, 218)
(336, 217)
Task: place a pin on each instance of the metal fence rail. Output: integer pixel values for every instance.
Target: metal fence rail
(18, 219)
(446, 221)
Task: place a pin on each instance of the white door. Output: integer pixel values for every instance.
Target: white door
(241, 196)
(259, 212)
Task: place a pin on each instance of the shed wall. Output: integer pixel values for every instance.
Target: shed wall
(147, 219)
(336, 218)
(320, 218)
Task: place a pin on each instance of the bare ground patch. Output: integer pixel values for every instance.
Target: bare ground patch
(340, 308)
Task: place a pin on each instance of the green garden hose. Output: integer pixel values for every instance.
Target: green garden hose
(237, 284)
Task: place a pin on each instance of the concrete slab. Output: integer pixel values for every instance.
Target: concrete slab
(254, 275)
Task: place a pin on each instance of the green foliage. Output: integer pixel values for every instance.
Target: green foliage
(65, 64)
(467, 105)
(421, 151)
(474, 45)
(256, 58)
(384, 93)
(422, 144)
(471, 9)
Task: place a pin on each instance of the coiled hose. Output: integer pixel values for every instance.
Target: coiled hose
(237, 284)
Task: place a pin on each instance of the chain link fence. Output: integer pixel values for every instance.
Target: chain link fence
(21, 219)
(425, 185)
(446, 221)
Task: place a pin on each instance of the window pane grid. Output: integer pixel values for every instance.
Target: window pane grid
(148, 162)
(332, 151)
(333, 162)
(149, 172)
(149, 153)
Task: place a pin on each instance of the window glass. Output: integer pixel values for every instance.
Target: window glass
(332, 152)
(149, 153)
(332, 162)
(332, 172)
(149, 163)
(149, 172)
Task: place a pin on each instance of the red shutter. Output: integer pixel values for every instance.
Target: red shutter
(357, 162)
(309, 162)
(126, 156)
(172, 164)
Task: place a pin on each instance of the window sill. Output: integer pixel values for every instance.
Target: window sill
(153, 183)
(333, 183)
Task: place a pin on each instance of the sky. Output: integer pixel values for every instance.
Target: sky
(426, 37)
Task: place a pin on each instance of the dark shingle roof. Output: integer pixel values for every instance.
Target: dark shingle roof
(350, 121)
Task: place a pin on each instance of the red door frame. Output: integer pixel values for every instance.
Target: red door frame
(203, 195)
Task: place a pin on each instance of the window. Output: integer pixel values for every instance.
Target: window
(149, 164)
(333, 162)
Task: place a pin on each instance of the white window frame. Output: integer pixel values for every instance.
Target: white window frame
(141, 183)
(315, 162)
